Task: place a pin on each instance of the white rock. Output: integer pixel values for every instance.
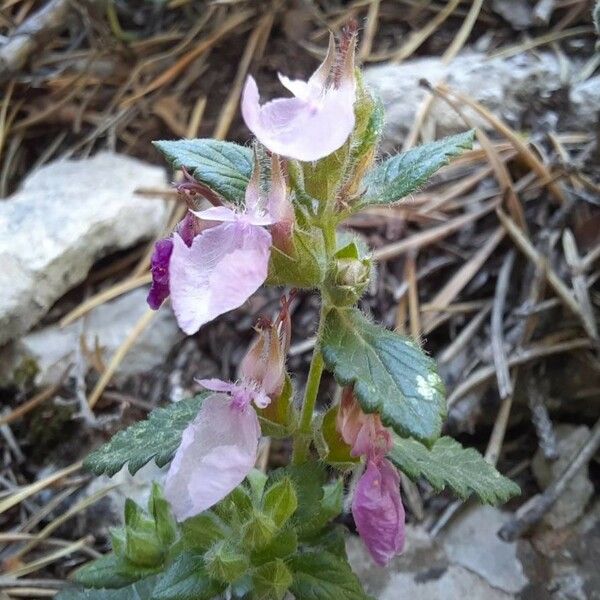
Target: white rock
(472, 542)
(506, 86)
(53, 348)
(67, 215)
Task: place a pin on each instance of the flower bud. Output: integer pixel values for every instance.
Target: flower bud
(264, 362)
(350, 276)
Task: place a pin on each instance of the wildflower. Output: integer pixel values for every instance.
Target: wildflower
(319, 118)
(376, 506)
(226, 261)
(218, 449)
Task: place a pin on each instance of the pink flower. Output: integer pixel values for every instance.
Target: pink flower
(228, 261)
(217, 451)
(320, 116)
(378, 511)
(377, 506)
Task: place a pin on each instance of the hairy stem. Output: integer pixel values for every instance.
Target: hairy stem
(303, 435)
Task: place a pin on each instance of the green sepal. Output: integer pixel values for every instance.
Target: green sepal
(224, 562)
(329, 507)
(271, 581)
(202, 531)
(280, 419)
(330, 445)
(305, 264)
(284, 544)
(280, 501)
(160, 509)
(258, 531)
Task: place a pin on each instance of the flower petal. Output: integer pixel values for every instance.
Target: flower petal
(218, 449)
(160, 273)
(378, 511)
(300, 129)
(222, 268)
(217, 213)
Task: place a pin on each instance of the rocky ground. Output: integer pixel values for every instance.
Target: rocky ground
(81, 357)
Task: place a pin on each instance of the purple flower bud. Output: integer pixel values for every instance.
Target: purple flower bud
(378, 511)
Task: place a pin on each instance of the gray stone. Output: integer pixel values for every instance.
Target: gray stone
(67, 215)
(506, 86)
(472, 542)
(453, 583)
(572, 502)
(108, 325)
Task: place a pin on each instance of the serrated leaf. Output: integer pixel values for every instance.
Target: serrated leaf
(324, 576)
(390, 373)
(186, 579)
(447, 463)
(331, 505)
(224, 167)
(401, 175)
(158, 437)
(140, 590)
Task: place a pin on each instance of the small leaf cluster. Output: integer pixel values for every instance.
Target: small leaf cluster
(270, 536)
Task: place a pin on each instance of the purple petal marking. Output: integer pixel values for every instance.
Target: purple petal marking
(217, 451)
(160, 273)
(378, 511)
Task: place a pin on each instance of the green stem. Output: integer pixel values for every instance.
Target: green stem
(304, 434)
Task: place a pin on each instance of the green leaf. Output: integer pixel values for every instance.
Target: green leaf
(224, 167)
(280, 501)
(186, 579)
(110, 571)
(447, 463)
(158, 437)
(324, 576)
(271, 581)
(401, 175)
(389, 372)
(141, 590)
